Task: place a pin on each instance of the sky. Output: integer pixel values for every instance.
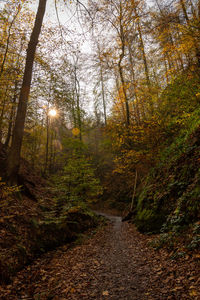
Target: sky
(68, 18)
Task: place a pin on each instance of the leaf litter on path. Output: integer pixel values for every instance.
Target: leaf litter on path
(116, 264)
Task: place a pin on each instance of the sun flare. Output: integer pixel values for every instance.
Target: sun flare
(52, 112)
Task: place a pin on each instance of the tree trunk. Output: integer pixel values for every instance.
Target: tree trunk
(2, 114)
(121, 109)
(13, 163)
(197, 50)
(77, 90)
(185, 11)
(136, 105)
(122, 37)
(73, 110)
(198, 9)
(103, 95)
(143, 50)
(8, 40)
(47, 145)
(12, 114)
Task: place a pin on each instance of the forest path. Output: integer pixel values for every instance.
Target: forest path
(114, 263)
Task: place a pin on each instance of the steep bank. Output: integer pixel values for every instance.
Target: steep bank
(170, 200)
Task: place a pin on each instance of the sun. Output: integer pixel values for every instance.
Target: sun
(52, 112)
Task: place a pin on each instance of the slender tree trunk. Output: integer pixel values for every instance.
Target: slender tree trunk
(73, 110)
(170, 63)
(2, 117)
(134, 190)
(143, 51)
(144, 57)
(193, 10)
(121, 111)
(136, 106)
(51, 151)
(77, 90)
(2, 113)
(122, 37)
(184, 11)
(124, 92)
(14, 100)
(197, 49)
(166, 71)
(13, 163)
(12, 114)
(102, 85)
(47, 145)
(180, 55)
(198, 9)
(8, 40)
(103, 95)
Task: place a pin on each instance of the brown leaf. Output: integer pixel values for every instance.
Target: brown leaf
(105, 293)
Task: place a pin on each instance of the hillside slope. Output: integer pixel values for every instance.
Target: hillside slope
(170, 201)
(31, 222)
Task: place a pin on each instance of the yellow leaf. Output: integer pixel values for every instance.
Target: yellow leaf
(105, 293)
(75, 131)
(193, 293)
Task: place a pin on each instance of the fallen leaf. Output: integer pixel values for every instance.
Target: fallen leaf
(105, 293)
(193, 293)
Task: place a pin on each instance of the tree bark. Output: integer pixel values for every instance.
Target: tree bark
(103, 95)
(12, 113)
(136, 105)
(2, 113)
(197, 50)
(13, 163)
(77, 90)
(122, 37)
(8, 40)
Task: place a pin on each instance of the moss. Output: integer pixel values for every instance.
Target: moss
(172, 192)
(149, 221)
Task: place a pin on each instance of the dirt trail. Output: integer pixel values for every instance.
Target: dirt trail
(115, 263)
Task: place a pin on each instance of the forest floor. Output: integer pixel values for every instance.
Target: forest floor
(113, 263)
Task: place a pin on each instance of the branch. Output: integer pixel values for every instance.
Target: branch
(84, 8)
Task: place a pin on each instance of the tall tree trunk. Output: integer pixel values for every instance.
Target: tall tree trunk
(47, 144)
(185, 11)
(144, 58)
(143, 50)
(103, 95)
(73, 110)
(196, 46)
(8, 40)
(166, 71)
(2, 113)
(121, 108)
(13, 163)
(193, 10)
(198, 8)
(77, 90)
(122, 37)
(136, 104)
(12, 114)
(102, 84)
(14, 100)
